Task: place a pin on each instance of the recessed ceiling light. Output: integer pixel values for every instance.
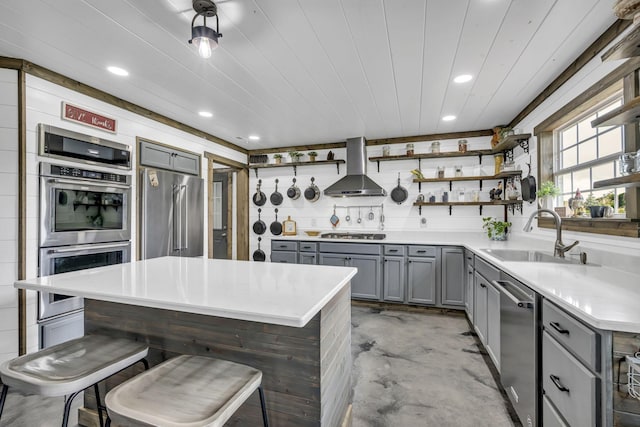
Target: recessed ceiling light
(205, 114)
(463, 78)
(118, 71)
(448, 118)
(254, 137)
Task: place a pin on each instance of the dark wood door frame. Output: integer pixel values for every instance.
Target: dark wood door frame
(241, 223)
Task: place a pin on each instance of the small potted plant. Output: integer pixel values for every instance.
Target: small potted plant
(295, 156)
(312, 156)
(546, 192)
(277, 158)
(496, 230)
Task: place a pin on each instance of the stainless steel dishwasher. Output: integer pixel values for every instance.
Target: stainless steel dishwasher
(518, 350)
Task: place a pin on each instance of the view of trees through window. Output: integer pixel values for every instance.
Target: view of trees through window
(584, 155)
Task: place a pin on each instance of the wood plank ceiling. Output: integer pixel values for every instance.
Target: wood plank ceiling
(313, 71)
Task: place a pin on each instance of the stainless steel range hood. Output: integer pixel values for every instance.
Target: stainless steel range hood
(356, 183)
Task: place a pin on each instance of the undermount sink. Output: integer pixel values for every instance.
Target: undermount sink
(518, 255)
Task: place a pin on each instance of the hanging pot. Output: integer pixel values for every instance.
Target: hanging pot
(276, 197)
(528, 186)
(259, 227)
(258, 254)
(312, 193)
(293, 192)
(276, 227)
(399, 194)
(259, 199)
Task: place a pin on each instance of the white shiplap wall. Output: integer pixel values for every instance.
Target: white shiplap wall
(405, 217)
(8, 213)
(44, 106)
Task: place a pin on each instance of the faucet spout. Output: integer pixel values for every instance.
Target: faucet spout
(559, 248)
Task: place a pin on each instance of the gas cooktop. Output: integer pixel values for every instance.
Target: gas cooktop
(355, 236)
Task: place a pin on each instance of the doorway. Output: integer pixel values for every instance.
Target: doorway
(227, 201)
(222, 206)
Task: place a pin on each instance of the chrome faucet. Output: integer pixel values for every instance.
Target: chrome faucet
(559, 247)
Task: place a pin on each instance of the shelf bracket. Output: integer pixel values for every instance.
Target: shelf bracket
(480, 185)
(338, 167)
(420, 187)
(420, 210)
(256, 171)
(378, 162)
(450, 210)
(295, 170)
(480, 158)
(420, 165)
(450, 185)
(480, 210)
(524, 143)
(508, 155)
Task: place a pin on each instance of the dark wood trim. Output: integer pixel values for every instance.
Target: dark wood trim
(612, 227)
(224, 161)
(22, 211)
(591, 52)
(61, 80)
(631, 143)
(373, 142)
(625, 48)
(599, 91)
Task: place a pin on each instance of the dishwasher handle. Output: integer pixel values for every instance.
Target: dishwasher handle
(522, 301)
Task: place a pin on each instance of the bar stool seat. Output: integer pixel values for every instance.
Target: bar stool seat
(184, 391)
(70, 367)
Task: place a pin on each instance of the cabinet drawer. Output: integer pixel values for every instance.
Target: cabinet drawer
(487, 270)
(569, 385)
(422, 251)
(308, 246)
(395, 250)
(551, 417)
(279, 245)
(583, 342)
(284, 256)
(350, 248)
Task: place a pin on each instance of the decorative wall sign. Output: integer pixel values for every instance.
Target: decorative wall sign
(88, 118)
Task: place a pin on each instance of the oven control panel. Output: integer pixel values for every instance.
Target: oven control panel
(67, 171)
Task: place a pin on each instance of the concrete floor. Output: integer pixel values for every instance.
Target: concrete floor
(409, 369)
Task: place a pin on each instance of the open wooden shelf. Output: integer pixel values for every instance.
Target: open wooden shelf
(501, 175)
(295, 165)
(632, 180)
(627, 113)
(486, 203)
(628, 47)
(510, 142)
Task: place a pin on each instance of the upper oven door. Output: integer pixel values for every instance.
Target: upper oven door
(76, 211)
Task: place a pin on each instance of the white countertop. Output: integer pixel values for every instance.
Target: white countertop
(281, 294)
(603, 297)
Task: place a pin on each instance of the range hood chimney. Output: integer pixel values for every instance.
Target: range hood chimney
(356, 183)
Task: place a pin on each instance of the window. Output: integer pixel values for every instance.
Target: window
(584, 155)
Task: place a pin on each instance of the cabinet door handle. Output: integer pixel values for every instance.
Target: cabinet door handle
(421, 251)
(386, 260)
(557, 327)
(556, 381)
(393, 250)
(482, 285)
(306, 247)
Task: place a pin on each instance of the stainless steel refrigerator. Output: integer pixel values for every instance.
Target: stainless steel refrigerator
(172, 217)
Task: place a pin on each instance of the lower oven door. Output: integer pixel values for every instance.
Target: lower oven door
(73, 258)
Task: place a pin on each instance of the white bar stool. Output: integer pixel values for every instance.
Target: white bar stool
(185, 391)
(70, 367)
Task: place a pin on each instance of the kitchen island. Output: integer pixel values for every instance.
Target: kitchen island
(290, 321)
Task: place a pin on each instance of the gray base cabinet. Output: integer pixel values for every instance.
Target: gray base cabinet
(366, 284)
(469, 288)
(393, 278)
(453, 277)
(421, 280)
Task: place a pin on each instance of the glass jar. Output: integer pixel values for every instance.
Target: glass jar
(498, 159)
(475, 196)
(440, 172)
(386, 151)
(462, 145)
(458, 170)
(409, 149)
(435, 147)
(460, 194)
(628, 163)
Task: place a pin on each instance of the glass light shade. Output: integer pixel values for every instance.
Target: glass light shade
(205, 39)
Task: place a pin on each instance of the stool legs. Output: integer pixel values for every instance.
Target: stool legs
(3, 397)
(67, 408)
(265, 418)
(98, 403)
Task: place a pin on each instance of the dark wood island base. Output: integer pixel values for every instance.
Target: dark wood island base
(306, 371)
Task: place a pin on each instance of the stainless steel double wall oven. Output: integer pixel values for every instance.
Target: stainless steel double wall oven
(85, 220)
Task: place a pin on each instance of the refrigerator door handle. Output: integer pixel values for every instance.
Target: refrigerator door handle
(185, 219)
(177, 219)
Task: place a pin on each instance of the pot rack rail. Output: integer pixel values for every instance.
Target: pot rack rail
(380, 206)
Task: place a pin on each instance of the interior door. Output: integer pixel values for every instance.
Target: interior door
(221, 215)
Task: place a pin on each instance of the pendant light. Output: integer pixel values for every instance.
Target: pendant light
(203, 37)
